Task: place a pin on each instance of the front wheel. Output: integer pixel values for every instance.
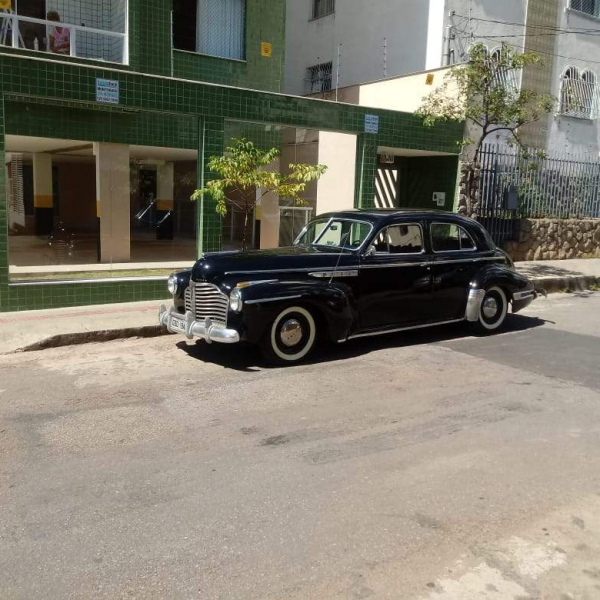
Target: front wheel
(291, 336)
(493, 311)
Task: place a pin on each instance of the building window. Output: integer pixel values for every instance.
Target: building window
(590, 7)
(93, 29)
(213, 27)
(579, 94)
(319, 78)
(507, 79)
(322, 8)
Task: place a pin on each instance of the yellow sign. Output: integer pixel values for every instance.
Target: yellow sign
(429, 79)
(266, 49)
(5, 4)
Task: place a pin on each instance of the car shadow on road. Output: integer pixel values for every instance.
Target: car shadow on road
(247, 358)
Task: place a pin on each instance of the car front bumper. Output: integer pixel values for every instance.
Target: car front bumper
(186, 325)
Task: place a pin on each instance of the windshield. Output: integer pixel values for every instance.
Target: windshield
(334, 233)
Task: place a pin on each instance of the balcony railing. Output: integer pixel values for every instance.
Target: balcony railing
(64, 39)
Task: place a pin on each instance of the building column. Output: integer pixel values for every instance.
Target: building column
(267, 212)
(42, 194)
(165, 183)
(211, 143)
(113, 201)
(366, 169)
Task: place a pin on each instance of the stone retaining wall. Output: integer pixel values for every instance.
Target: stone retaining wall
(552, 239)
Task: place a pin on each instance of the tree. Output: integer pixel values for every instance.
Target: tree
(484, 92)
(243, 179)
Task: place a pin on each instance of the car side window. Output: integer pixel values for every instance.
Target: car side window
(400, 239)
(447, 237)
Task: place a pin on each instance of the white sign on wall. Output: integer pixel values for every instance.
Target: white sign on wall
(371, 124)
(439, 198)
(107, 91)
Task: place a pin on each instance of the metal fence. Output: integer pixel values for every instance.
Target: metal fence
(514, 184)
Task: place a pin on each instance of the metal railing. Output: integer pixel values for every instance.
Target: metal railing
(518, 184)
(579, 97)
(17, 31)
(322, 8)
(590, 7)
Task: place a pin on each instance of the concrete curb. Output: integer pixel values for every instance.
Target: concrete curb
(575, 283)
(87, 337)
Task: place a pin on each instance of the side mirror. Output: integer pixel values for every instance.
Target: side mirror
(371, 251)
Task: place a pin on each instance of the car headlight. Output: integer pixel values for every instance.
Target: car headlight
(172, 284)
(235, 300)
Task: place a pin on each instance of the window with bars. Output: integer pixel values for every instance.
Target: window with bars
(590, 7)
(319, 78)
(509, 79)
(322, 8)
(213, 27)
(579, 94)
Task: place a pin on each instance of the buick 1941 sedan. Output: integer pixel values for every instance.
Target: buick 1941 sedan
(348, 275)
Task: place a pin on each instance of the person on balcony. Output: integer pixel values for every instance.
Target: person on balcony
(59, 38)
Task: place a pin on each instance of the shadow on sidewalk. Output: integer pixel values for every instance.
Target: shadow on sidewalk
(244, 357)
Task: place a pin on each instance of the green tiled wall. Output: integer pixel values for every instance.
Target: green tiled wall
(265, 22)
(150, 47)
(45, 97)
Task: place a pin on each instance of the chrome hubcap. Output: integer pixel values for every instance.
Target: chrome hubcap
(490, 307)
(291, 333)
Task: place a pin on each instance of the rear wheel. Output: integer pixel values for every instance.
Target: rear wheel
(493, 311)
(291, 336)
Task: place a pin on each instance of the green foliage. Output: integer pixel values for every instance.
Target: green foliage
(481, 92)
(244, 170)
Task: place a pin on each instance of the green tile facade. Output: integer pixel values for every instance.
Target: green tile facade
(42, 96)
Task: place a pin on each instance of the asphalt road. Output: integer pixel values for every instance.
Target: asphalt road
(428, 466)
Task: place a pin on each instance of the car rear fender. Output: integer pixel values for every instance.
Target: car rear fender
(502, 276)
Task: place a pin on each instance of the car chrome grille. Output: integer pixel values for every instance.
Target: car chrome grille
(207, 300)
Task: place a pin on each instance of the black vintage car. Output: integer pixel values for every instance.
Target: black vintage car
(349, 274)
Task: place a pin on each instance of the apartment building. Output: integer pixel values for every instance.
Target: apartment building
(335, 44)
(110, 110)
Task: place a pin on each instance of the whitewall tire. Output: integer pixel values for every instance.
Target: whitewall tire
(493, 310)
(291, 336)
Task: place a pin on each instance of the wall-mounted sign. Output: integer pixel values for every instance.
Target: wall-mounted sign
(371, 124)
(107, 91)
(266, 49)
(5, 4)
(429, 79)
(439, 198)
(387, 159)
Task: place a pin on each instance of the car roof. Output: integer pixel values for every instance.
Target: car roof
(383, 215)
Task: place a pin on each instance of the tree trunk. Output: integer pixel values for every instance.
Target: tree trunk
(245, 232)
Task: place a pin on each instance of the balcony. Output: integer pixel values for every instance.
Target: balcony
(99, 35)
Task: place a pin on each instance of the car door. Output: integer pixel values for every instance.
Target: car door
(455, 257)
(395, 278)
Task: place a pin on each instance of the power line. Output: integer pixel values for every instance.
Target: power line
(587, 60)
(511, 23)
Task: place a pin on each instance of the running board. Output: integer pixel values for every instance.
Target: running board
(384, 331)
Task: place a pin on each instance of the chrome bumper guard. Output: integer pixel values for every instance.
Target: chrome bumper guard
(206, 329)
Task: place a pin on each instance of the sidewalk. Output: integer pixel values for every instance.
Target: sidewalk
(38, 329)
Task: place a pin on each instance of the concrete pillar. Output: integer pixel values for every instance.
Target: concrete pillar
(268, 214)
(42, 193)
(165, 182)
(336, 187)
(113, 201)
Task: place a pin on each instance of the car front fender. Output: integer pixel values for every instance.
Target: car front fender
(333, 305)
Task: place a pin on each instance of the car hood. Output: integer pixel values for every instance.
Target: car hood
(253, 263)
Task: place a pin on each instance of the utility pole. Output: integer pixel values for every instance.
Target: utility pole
(384, 57)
